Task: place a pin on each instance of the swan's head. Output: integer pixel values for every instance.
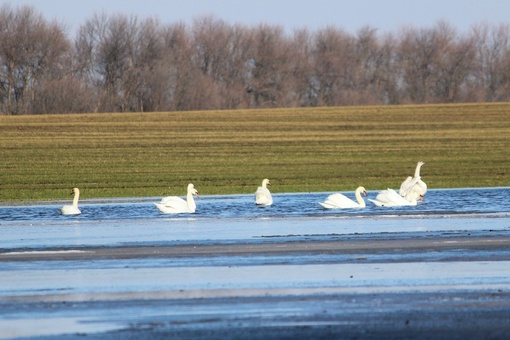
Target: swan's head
(192, 190)
(420, 163)
(265, 182)
(75, 191)
(362, 191)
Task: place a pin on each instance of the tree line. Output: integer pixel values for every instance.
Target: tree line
(119, 63)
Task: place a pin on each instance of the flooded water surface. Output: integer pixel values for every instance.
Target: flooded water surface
(123, 269)
(232, 218)
(454, 201)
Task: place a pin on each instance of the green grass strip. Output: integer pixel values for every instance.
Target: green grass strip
(227, 152)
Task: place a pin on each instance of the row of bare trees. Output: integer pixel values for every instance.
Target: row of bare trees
(121, 63)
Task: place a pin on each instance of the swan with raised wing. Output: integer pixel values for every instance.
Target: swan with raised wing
(413, 187)
(341, 201)
(176, 205)
(72, 209)
(391, 198)
(263, 195)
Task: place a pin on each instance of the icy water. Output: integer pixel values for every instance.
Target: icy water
(234, 218)
(462, 273)
(454, 202)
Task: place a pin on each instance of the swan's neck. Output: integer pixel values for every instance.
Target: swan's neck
(191, 202)
(417, 171)
(76, 198)
(360, 199)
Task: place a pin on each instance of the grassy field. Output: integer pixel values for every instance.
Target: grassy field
(223, 152)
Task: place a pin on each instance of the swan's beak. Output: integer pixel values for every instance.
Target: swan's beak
(364, 193)
(421, 197)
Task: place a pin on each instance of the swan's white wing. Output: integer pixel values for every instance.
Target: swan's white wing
(417, 190)
(376, 202)
(171, 199)
(383, 199)
(406, 186)
(70, 210)
(390, 198)
(412, 187)
(423, 187)
(263, 196)
(394, 199)
(339, 201)
(327, 205)
(173, 205)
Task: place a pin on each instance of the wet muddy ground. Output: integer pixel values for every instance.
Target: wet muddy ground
(419, 285)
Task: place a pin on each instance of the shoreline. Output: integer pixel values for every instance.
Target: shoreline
(133, 200)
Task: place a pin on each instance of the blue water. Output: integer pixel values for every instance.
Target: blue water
(436, 202)
(44, 297)
(236, 219)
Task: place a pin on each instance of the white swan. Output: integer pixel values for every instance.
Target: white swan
(413, 186)
(391, 198)
(342, 201)
(176, 205)
(263, 195)
(72, 209)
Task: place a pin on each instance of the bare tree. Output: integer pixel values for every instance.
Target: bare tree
(62, 95)
(124, 59)
(299, 81)
(416, 53)
(221, 53)
(211, 55)
(455, 68)
(235, 77)
(491, 62)
(331, 51)
(190, 88)
(269, 67)
(121, 63)
(388, 74)
(145, 82)
(362, 81)
(31, 49)
(102, 55)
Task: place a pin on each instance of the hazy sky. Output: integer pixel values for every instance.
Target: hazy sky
(386, 15)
